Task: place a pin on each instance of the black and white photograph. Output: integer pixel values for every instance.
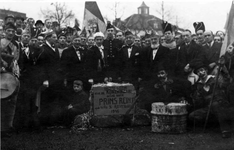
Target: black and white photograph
(117, 74)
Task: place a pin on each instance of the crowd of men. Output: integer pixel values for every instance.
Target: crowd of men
(171, 68)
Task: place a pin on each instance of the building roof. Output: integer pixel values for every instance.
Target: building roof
(143, 5)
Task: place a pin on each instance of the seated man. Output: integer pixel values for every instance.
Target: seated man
(204, 94)
(78, 103)
(165, 89)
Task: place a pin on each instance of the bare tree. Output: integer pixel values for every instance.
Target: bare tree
(60, 13)
(116, 8)
(165, 13)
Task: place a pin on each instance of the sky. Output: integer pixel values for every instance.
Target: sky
(182, 12)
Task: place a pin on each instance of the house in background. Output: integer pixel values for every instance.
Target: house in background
(142, 23)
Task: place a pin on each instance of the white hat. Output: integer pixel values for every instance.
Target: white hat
(100, 34)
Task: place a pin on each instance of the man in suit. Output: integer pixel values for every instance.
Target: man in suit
(156, 55)
(190, 51)
(73, 62)
(129, 60)
(212, 50)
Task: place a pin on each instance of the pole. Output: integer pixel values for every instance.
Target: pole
(212, 98)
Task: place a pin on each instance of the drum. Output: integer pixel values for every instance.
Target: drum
(170, 118)
(9, 92)
(9, 84)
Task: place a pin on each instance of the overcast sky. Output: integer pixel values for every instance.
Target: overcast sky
(212, 12)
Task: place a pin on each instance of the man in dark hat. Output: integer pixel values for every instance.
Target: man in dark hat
(19, 21)
(199, 30)
(204, 93)
(9, 18)
(112, 46)
(163, 88)
(172, 62)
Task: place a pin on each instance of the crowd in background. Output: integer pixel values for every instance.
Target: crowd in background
(53, 61)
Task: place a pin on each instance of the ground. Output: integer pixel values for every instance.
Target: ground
(127, 138)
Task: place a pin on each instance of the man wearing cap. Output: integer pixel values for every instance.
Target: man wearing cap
(204, 93)
(38, 28)
(172, 62)
(97, 59)
(199, 30)
(10, 50)
(19, 21)
(9, 63)
(111, 46)
(9, 18)
(129, 57)
(73, 62)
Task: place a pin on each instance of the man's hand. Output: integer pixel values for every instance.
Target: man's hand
(69, 106)
(212, 65)
(65, 82)
(46, 83)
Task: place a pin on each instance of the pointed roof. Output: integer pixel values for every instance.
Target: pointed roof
(143, 5)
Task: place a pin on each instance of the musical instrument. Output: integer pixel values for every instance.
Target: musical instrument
(9, 84)
(170, 118)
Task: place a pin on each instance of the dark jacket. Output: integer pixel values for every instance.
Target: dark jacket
(71, 65)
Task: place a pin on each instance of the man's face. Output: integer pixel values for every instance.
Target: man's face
(218, 39)
(48, 24)
(83, 40)
(33, 42)
(186, 36)
(208, 36)
(154, 40)
(40, 40)
(10, 20)
(39, 26)
(221, 34)
(202, 73)
(53, 39)
(119, 36)
(162, 75)
(98, 40)
(77, 88)
(168, 35)
(31, 21)
(147, 41)
(137, 41)
(110, 32)
(62, 40)
(25, 38)
(18, 22)
(90, 41)
(76, 42)
(162, 40)
(10, 33)
(129, 39)
(230, 49)
(200, 36)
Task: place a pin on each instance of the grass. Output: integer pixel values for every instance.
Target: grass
(137, 138)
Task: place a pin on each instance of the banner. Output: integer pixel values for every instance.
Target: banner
(93, 21)
(229, 27)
